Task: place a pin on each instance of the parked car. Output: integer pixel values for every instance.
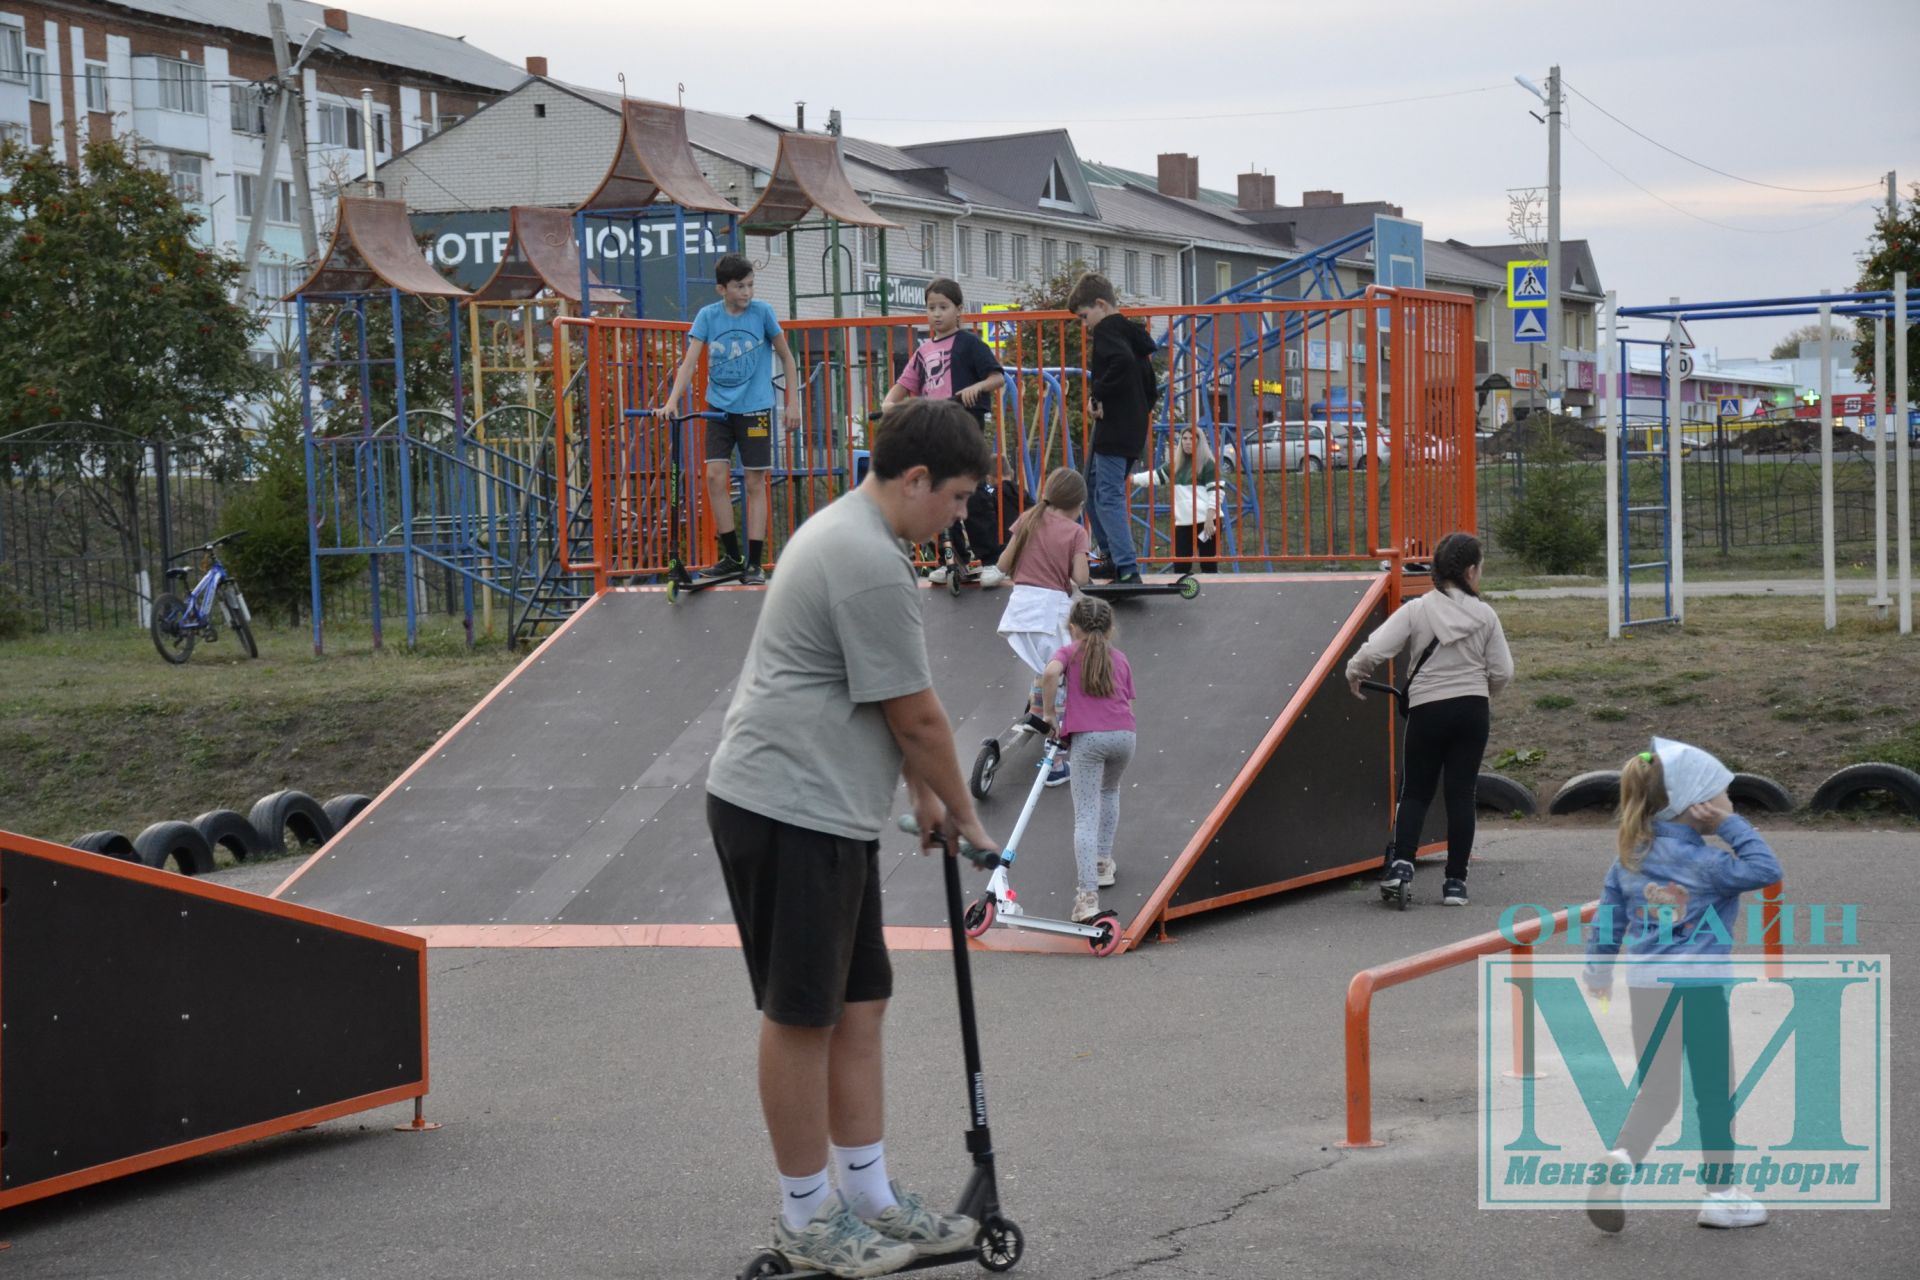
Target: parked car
(1312, 446)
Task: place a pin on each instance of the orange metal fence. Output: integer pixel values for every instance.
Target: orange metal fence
(1521, 942)
(1322, 455)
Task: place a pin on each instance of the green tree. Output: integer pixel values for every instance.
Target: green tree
(272, 561)
(1789, 346)
(1553, 527)
(116, 324)
(1893, 246)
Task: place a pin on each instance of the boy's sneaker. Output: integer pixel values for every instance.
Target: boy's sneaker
(1128, 580)
(939, 576)
(1061, 773)
(840, 1244)
(755, 576)
(991, 577)
(1454, 893)
(930, 1232)
(1086, 905)
(1731, 1208)
(1603, 1201)
(1103, 870)
(725, 566)
(1398, 872)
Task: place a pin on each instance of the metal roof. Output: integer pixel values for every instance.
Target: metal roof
(369, 39)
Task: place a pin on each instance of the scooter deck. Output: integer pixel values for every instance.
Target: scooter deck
(678, 587)
(1186, 587)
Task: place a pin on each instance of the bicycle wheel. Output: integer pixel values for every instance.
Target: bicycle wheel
(238, 620)
(174, 642)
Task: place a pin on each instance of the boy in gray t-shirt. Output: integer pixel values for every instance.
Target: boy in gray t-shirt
(834, 702)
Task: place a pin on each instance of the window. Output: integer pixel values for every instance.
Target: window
(248, 107)
(1159, 275)
(96, 75)
(37, 75)
(282, 209)
(447, 122)
(1049, 257)
(1222, 276)
(13, 55)
(990, 266)
(183, 86)
(963, 250)
(340, 127)
(12, 132)
(929, 246)
(1133, 272)
(1073, 251)
(243, 195)
(870, 246)
(1058, 193)
(185, 171)
(1102, 260)
(273, 281)
(1019, 262)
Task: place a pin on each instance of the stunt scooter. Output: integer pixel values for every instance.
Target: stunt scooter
(1186, 586)
(1402, 893)
(681, 580)
(1001, 905)
(1000, 1243)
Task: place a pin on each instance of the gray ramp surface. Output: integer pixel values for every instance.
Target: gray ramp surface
(575, 795)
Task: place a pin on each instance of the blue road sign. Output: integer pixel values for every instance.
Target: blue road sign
(1526, 284)
(1529, 326)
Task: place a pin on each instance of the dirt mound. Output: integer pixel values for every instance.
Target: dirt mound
(1799, 437)
(1539, 431)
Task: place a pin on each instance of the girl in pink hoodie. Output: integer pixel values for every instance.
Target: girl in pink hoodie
(1460, 660)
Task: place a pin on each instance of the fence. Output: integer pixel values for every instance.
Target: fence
(1390, 473)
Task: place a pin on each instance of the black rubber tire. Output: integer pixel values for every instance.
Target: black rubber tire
(175, 842)
(1755, 794)
(237, 619)
(765, 1264)
(985, 766)
(344, 809)
(223, 828)
(1000, 1244)
(1599, 789)
(978, 917)
(1857, 779)
(108, 844)
(174, 647)
(275, 815)
(1502, 794)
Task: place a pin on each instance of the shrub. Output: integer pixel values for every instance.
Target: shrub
(1551, 526)
(16, 619)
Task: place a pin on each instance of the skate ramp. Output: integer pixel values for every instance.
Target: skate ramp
(568, 809)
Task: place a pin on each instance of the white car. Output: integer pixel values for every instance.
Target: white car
(1312, 446)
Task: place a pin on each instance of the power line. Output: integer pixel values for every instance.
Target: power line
(1725, 226)
(1221, 115)
(1752, 182)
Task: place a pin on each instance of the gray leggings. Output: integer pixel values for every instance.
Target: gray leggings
(1098, 760)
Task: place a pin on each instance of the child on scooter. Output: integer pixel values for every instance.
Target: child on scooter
(1099, 721)
(1047, 559)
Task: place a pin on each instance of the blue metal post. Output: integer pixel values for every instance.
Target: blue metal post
(463, 452)
(306, 441)
(406, 468)
(680, 254)
(365, 366)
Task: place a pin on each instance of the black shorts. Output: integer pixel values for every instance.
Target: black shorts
(750, 433)
(808, 908)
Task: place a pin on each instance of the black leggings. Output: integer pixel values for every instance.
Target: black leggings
(1186, 547)
(1447, 737)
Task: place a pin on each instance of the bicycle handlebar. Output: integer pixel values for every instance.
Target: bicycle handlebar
(208, 546)
(985, 859)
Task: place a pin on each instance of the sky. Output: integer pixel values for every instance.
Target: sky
(1409, 101)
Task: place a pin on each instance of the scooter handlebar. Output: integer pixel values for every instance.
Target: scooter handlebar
(1380, 687)
(985, 859)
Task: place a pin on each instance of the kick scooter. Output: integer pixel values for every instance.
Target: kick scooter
(999, 1244)
(1402, 893)
(1001, 905)
(681, 580)
(1186, 586)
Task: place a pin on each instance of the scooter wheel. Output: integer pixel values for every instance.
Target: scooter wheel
(954, 576)
(766, 1263)
(1189, 586)
(985, 765)
(1001, 1243)
(1406, 894)
(673, 591)
(979, 916)
(1107, 941)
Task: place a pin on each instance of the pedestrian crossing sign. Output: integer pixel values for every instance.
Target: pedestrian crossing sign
(1729, 406)
(1526, 284)
(1529, 326)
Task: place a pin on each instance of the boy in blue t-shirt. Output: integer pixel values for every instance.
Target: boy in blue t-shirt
(741, 336)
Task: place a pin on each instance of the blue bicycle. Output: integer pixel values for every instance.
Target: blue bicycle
(179, 623)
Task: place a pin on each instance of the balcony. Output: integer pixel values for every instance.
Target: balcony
(170, 105)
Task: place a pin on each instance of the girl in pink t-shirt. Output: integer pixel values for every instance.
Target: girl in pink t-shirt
(1046, 557)
(1099, 721)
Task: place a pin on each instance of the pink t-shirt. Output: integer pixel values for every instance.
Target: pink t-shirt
(1086, 713)
(929, 370)
(1047, 559)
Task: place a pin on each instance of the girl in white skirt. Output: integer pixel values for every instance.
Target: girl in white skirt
(1047, 558)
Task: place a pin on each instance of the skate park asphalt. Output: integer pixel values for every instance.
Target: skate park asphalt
(1173, 1112)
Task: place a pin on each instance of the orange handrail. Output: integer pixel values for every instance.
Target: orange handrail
(1520, 941)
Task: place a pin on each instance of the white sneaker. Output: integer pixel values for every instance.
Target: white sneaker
(1731, 1208)
(1603, 1201)
(939, 576)
(1086, 905)
(839, 1244)
(991, 577)
(1103, 870)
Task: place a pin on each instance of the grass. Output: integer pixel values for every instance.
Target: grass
(98, 733)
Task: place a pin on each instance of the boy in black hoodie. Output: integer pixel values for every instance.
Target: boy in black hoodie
(1124, 390)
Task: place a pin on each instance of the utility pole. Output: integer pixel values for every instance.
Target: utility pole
(1554, 361)
(287, 124)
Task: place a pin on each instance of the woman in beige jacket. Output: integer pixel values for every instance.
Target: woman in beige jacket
(1460, 660)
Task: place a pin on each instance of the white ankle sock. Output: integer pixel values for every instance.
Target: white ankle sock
(862, 1172)
(801, 1198)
